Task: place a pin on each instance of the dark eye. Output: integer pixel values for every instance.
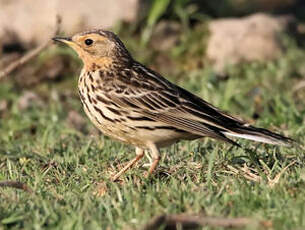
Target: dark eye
(88, 41)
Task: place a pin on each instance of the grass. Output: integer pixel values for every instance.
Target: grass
(69, 170)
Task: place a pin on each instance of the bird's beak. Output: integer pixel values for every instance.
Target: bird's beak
(66, 40)
(69, 42)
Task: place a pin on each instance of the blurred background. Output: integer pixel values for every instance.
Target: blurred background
(242, 53)
(175, 37)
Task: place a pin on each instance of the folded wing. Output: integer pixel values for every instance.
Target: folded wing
(151, 95)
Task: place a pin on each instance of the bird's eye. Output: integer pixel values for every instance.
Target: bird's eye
(88, 41)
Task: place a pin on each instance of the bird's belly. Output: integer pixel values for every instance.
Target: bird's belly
(139, 136)
(114, 122)
(112, 126)
(163, 137)
(113, 129)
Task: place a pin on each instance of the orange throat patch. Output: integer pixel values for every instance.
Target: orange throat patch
(92, 64)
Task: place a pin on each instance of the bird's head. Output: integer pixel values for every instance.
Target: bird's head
(97, 48)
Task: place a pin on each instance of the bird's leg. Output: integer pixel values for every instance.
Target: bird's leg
(139, 155)
(155, 157)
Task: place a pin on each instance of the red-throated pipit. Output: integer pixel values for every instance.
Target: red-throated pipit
(133, 104)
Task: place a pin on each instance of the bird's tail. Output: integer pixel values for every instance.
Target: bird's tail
(260, 135)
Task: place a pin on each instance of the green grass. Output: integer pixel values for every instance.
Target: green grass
(63, 166)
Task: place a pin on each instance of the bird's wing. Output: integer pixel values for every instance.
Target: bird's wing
(150, 95)
(154, 97)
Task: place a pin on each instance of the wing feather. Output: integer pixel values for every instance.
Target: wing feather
(149, 94)
(164, 104)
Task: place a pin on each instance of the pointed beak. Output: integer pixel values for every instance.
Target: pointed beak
(66, 40)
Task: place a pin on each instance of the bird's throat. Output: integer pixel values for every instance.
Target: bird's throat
(93, 64)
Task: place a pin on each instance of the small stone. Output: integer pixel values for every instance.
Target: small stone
(76, 121)
(27, 99)
(3, 105)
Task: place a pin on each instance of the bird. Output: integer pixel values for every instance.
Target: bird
(132, 103)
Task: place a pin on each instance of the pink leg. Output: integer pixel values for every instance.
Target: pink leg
(139, 153)
(156, 158)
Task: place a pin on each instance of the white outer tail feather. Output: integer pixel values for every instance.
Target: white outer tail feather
(257, 138)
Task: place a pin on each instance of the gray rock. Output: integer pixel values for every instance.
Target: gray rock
(252, 38)
(33, 21)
